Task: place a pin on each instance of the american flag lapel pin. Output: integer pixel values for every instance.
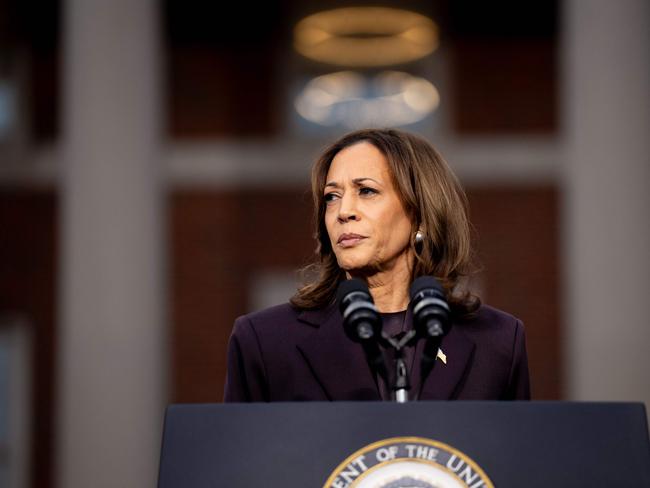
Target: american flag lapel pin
(442, 356)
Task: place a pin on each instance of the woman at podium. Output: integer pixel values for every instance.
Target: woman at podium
(388, 209)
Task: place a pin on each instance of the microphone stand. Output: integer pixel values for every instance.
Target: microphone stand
(401, 384)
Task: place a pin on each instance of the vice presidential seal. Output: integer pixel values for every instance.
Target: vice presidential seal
(408, 462)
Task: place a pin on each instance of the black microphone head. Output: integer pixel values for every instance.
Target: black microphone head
(348, 287)
(430, 308)
(353, 284)
(425, 282)
(361, 319)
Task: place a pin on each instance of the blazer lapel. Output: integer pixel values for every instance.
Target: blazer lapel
(338, 364)
(445, 380)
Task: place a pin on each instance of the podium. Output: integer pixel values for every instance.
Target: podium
(477, 444)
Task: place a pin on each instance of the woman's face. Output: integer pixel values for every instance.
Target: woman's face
(365, 220)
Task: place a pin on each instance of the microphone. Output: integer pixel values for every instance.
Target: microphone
(431, 319)
(430, 308)
(361, 319)
(362, 322)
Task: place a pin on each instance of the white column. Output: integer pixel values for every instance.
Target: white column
(606, 100)
(112, 372)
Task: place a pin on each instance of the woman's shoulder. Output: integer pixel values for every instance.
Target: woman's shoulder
(492, 314)
(284, 319)
(490, 320)
(272, 329)
(269, 316)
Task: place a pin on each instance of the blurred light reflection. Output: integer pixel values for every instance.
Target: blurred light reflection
(349, 99)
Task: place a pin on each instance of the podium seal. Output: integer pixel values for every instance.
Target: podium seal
(408, 462)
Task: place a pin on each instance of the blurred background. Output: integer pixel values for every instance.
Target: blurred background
(154, 185)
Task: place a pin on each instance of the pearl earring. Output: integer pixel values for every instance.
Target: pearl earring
(419, 237)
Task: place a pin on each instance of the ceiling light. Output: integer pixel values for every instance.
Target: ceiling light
(365, 36)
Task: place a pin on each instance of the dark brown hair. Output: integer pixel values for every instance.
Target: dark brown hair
(432, 198)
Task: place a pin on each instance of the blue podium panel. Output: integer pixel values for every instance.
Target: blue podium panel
(516, 444)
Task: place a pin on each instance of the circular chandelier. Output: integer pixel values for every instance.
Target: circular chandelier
(365, 36)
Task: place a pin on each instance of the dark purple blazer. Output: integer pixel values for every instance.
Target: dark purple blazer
(284, 354)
